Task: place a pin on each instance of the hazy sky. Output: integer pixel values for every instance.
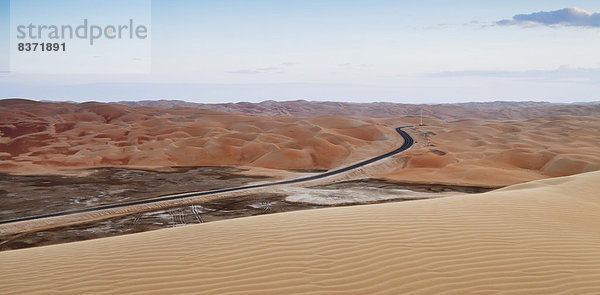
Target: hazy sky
(362, 51)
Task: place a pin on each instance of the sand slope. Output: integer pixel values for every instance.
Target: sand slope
(541, 237)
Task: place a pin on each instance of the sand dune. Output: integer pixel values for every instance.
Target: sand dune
(498, 110)
(51, 137)
(44, 137)
(500, 153)
(536, 238)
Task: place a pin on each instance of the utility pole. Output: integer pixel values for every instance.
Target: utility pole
(421, 124)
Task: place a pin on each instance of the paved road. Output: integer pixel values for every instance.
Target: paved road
(408, 142)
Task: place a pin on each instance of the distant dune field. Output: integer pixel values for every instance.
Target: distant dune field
(43, 137)
(498, 110)
(541, 237)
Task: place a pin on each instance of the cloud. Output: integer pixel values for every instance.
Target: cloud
(436, 27)
(349, 65)
(266, 70)
(566, 17)
(563, 73)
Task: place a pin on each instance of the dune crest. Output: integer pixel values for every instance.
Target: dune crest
(497, 110)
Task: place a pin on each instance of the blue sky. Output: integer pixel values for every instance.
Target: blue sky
(362, 51)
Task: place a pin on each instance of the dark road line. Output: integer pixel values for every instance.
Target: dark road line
(408, 142)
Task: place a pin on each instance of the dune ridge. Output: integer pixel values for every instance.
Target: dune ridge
(538, 237)
(497, 110)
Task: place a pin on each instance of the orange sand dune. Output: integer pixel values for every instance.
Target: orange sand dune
(45, 137)
(541, 237)
(493, 153)
(38, 137)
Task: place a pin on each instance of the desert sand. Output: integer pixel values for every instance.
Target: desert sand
(43, 137)
(500, 153)
(46, 137)
(539, 237)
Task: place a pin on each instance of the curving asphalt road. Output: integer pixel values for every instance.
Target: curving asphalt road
(408, 142)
